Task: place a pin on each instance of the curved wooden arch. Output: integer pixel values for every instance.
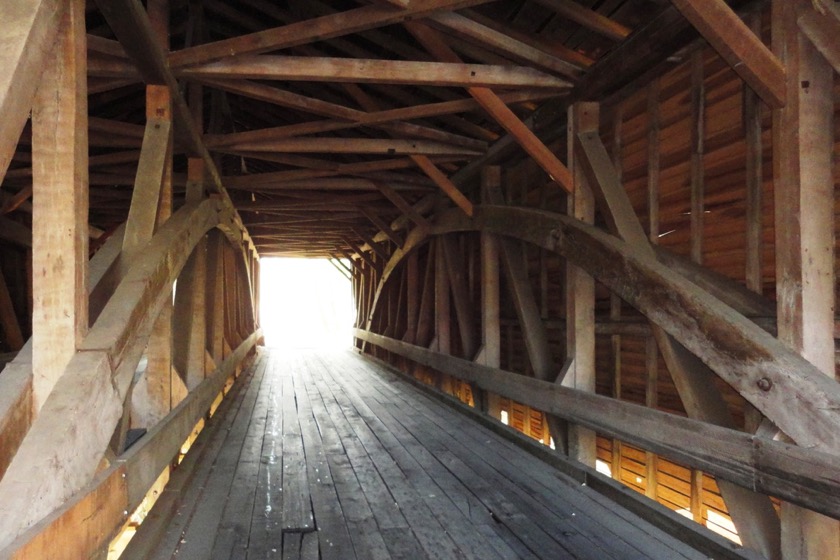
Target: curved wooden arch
(89, 397)
(762, 369)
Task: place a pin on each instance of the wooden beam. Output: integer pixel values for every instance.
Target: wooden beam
(84, 525)
(739, 46)
(491, 340)
(464, 27)
(135, 32)
(392, 147)
(382, 253)
(142, 214)
(751, 513)
(442, 181)
(443, 326)
(8, 318)
(412, 213)
(60, 206)
(412, 288)
(698, 137)
(373, 71)
(739, 351)
(807, 476)
(307, 31)
(383, 226)
(653, 160)
(580, 289)
(804, 202)
(30, 30)
(500, 112)
(822, 30)
(754, 179)
(96, 380)
(588, 19)
(455, 271)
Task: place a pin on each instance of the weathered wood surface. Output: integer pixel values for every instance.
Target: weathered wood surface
(804, 476)
(86, 523)
(390, 473)
(739, 46)
(29, 31)
(89, 395)
(290, 68)
(60, 206)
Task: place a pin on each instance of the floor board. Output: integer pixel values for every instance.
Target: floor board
(331, 456)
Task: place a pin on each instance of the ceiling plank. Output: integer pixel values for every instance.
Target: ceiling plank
(739, 46)
(301, 68)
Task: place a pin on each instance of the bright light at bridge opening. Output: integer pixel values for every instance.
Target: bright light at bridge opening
(305, 303)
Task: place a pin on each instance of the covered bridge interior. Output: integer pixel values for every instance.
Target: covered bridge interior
(608, 224)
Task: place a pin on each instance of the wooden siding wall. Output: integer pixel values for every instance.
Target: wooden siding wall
(650, 137)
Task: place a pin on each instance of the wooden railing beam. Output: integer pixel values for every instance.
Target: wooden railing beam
(806, 476)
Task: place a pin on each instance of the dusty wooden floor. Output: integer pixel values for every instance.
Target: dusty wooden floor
(331, 456)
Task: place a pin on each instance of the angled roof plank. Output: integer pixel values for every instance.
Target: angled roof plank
(587, 18)
(505, 44)
(823, 30)
(526, 138)
(442, 181)
(739, 46)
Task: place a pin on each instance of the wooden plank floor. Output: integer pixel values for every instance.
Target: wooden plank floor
(331, 456)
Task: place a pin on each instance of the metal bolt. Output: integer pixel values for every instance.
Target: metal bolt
(764, 384)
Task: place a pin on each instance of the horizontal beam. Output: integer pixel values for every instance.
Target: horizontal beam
(309, 69)
(360, 145)
(804, 476)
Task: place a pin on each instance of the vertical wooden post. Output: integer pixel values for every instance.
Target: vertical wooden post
(426, 314)
(491, 339)
(413, 297)
(698, 118)
(653, 161)
(460, 295)
(60, 206)
(158, 390)
(698, 107)
(754, 212)
(190, 296)
(651, 401)
(615, 301)
(442, 312)
(580, 289)
(214, 282)
(804, 203)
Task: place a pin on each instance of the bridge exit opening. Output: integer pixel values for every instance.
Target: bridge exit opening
(305, 303)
